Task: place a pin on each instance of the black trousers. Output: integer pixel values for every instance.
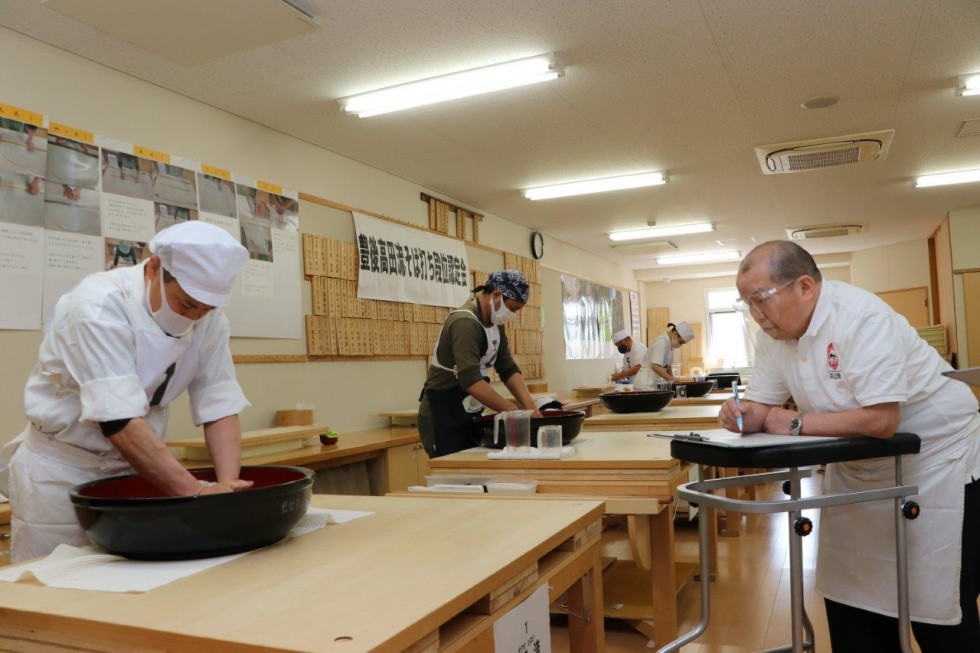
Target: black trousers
(853, 630)
(450, 429)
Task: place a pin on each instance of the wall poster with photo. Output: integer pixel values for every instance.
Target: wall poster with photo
(23, 158)
(73, 203)
(591, 312)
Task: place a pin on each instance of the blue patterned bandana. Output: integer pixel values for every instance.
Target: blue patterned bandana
(511, 284)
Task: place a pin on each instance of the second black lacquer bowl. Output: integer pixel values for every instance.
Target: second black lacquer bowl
(636, 402)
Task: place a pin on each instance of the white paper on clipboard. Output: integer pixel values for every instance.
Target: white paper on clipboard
(723, 438)
(969, 375)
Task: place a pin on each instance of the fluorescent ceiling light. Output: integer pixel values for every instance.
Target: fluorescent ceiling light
(969, 85)
(497, 77)
(660, 232)
(694, 259)
(947, 178)
(596, 186)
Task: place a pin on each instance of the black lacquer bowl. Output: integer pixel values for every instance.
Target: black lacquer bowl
(128, 516)
(570, 422)
(695, 388)
(725, 379)
(636, 402)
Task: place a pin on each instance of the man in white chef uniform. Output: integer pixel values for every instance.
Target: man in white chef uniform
(633, 352)
(856, 367)
(122, 345)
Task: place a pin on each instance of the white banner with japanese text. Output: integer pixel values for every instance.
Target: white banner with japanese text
(402, 264)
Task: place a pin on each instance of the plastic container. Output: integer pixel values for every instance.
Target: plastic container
(549, 437)
(569, 420)
(516, 427)
(497, 487)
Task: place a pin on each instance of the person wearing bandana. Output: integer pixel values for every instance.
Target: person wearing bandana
(457, 386)
(121, 346)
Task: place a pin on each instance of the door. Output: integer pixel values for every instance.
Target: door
(971, 311)
(913, 303)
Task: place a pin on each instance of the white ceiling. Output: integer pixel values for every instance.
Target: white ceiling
(685, 86)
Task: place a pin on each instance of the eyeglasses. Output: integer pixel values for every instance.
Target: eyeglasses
(757, 299)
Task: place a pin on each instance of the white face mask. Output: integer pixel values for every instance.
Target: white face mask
(173, 323)
(501, 315)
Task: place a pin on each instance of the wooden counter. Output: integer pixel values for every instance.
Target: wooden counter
(630, 472)
(350, 447)
(417, 575)
(394, 456)
(673, 417)
(4, 534)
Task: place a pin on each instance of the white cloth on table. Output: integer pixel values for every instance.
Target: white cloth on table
(533, 453)
(87, 568)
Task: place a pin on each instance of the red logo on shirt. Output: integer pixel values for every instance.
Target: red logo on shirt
(832, 361)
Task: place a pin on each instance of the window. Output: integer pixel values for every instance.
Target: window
(728, 342)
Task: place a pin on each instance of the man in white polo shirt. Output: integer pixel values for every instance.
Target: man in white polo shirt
(855, 367)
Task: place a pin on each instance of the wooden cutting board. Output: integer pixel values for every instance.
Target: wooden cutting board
(262, 442)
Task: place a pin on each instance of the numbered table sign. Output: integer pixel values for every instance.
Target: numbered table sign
(526, 628)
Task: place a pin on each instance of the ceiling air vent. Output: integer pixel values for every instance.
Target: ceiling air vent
(801, 156)
(826, 231)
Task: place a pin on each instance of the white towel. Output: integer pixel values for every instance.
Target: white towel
(533, 454)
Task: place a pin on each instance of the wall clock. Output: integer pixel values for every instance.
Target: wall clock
(537, 244)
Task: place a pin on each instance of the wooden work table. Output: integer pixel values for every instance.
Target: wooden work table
(413, 576)
(707, 400)
(673, 417)
(410, 416)
(636, 476)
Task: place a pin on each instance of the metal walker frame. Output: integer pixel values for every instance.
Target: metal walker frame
(699, 493)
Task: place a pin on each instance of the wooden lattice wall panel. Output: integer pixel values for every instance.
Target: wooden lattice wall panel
(528, 266)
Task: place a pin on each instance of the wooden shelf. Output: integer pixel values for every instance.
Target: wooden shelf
(626, 585)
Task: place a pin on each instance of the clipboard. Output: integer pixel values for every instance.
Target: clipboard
(969, 375)
(729, 440)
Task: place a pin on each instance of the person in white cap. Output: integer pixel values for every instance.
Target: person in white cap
(633, 352)
(121, 346)
(661, 354)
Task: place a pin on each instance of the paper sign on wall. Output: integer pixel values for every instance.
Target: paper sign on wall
(401, 264)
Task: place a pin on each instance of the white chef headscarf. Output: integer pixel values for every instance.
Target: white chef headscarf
(203, 258)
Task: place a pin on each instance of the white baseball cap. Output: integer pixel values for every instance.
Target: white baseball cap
(685, 331)
(202, 257)
(620, 335)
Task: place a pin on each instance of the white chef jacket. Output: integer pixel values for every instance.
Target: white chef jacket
(858, 352)
(90, 369)
(635, 355)
(103, 359)
(661, 353)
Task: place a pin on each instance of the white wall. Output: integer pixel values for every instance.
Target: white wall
(347, 395)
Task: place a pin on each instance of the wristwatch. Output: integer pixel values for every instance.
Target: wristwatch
(796, 424)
